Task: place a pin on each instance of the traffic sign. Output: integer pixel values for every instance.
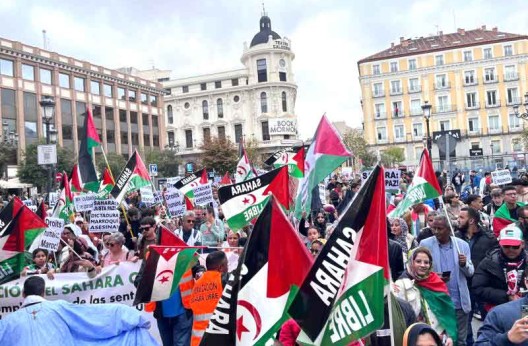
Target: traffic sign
(153, 170)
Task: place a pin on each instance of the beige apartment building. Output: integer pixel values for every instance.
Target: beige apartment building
(127, 110)
(472, 79)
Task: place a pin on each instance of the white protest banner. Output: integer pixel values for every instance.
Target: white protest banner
(50, 239)
(147, 196)
(33, 208)
(203, 194)
(501, 177)
(28, 202)
(173, 180)
(115, 284)
(392, 179)
(175, 202)
(158, 198)
(84, 202)
(104, 217)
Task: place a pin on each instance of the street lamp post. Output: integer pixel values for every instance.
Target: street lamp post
(524, 115)
(48, 110)
(426, 109)
(492, 161)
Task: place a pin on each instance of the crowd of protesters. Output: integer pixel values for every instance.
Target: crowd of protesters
(447, 245)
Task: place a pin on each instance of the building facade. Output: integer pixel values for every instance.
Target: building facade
(471, 78)
(127, 110)
(256, 102)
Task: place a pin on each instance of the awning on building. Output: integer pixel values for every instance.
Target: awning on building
(13, 184)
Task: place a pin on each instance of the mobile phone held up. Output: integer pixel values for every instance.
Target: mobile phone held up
(524, 311)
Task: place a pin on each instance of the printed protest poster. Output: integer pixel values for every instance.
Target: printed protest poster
(175, 202)
(147, 196)
(392, 179)
(84, 202)
(104, 217)
(50, 239)
(501, 177)
(203, 194)
(115, 284)
(53, 199)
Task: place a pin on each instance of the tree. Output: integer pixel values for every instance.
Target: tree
(8, 155)
(115, 161)
(392, 156)
(30, 172)
(355, 141)
(166, 160)
(219, 154)
(253, 153)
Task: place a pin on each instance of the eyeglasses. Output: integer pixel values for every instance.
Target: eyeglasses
(314, 251)
(110, 244)
(511, 194)
(516, 247)
(143, 229)
(190, 221)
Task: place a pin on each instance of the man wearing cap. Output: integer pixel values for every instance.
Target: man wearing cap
(498, 278)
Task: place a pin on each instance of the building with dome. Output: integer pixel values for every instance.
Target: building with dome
(254, 103)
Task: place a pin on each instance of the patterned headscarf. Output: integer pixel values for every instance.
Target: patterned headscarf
(402, 238)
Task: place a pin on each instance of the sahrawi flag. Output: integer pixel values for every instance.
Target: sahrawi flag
(19, 227)
(133, 177)
(326, 153)
(424, 186)
(64, 207)
(187, 185)
(253, 315)
(165, 266)
(89, 140)
(243, 170)
(244, 201)
(341, 298)
(291, 157)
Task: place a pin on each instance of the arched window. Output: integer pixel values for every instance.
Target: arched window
(170, 116)
(205, 110)
(220, 108)
(263, 102)
(284, 102)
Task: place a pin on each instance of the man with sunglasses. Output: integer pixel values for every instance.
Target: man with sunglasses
(147, 228)
(188, 232)
(498, 278)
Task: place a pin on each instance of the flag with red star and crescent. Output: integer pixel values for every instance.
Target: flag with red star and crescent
(243, 169)
(257, 309)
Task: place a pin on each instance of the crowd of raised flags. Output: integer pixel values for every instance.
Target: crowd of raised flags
(276, 278)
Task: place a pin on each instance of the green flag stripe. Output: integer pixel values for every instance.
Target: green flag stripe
(239, 220)
(185, 257)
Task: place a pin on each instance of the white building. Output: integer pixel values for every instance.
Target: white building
(256, 102)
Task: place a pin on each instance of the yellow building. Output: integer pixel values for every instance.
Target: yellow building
(471, 78)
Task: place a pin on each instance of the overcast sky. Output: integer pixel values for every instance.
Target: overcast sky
(203, 36)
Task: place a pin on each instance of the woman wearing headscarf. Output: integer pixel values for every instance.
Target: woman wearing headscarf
(400, 231)
(427, 294)
(421, 334)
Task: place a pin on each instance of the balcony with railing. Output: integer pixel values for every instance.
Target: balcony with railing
(378, 93)
(511, 76)
(442, 85)
(471, 106)
(515, 127)
(444, 109)
(491, 78)
(494, 130)
(415, 89)
(380, 115)
(469, 81)
(496, 104)
(396, 91)
(511, 101)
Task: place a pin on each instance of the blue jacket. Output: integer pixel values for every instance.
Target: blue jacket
(463, 273)
(494, 331)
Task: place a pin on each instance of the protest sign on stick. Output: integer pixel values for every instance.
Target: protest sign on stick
(84, 202)
(175, 202)
(50, 239)
(203, 194)
(104, 217)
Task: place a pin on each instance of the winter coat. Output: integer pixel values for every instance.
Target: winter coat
(489, 283)
(482, 243)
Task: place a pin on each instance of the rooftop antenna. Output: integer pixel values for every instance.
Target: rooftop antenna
(437, 32)
(264, 10)
(454, 20)
(44, 39)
